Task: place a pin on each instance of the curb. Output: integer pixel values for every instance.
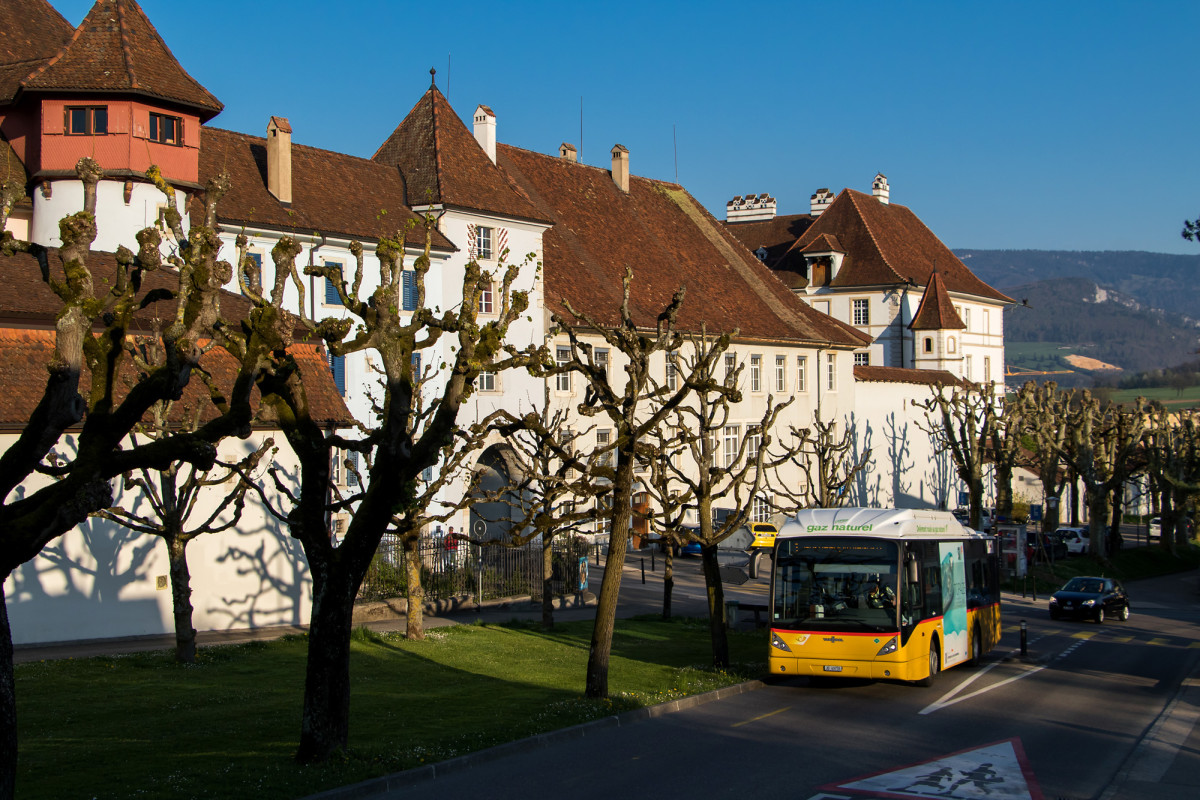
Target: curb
(377, 787)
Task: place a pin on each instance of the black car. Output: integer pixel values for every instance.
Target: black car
(1052, 547)
(1090, 598)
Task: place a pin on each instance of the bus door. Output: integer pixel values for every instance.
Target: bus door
(921, 581)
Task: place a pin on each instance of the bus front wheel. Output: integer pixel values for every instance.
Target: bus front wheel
(935, 664)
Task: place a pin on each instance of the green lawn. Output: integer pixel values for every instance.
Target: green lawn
(142, 726)
(1188, 398)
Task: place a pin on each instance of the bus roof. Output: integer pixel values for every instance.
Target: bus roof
(890, 523)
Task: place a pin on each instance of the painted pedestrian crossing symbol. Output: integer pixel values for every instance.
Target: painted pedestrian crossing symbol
(997, 771)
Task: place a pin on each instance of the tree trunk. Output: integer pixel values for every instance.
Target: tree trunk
(325, 724)
(1117, 512)
(414, 591)
(1097, 500)
(1004, 493)
(548, 582)
(8, 705)
(606, 604)
(181, 600)
(717, 624)
(668, 578)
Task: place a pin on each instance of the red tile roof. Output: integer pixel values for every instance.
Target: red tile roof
(27, 311)
(116, 49)
(928, 377)
(11, 167)
(669, 240)
(33, 33)
(936, 311)
(332, 193)
(887, 244)
(443, 164)
(776, 235)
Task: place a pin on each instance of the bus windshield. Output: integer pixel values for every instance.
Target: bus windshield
(836, 584)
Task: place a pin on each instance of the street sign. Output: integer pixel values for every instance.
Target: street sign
(964, 499)
(1035, 513)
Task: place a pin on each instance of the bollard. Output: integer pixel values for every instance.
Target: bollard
(1033, 588)
(652, 568)
(731, 613)
(1024, 639)
(643, 569)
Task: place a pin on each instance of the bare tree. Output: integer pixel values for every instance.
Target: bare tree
(960, 421)
(397, 449)
(93, 335)
(828, 463)
(1173, 462)
(702, 462)
(170, 497)
(1043, 410)
(635, 409)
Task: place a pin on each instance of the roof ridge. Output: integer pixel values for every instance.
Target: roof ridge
(126, 52)
(870, 232)
(437, 139)
(298, 145)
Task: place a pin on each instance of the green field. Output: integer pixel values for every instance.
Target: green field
(1039, 357)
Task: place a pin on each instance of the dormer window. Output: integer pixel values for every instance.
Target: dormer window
(87, 120)
(168, 130)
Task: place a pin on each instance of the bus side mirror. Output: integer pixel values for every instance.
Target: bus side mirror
(912, 571)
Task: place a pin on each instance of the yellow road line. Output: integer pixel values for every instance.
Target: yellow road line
(1121, 639)
(1159, 641)
(1085, 635)
(761, 716)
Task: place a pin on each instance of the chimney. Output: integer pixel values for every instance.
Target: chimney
(879, 188)
(751, 208)
(820, 201)
(485, 131)
(620, 167)
(568, 152)
(279, 159)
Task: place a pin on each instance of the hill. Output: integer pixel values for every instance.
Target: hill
(1132, 310)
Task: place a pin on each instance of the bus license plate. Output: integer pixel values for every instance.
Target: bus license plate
(832, 668)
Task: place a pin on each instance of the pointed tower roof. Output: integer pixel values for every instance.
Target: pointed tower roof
(442, 163)
(116, 49)
(936, 312)
(33, 33)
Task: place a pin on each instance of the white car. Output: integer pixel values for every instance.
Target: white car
(1155, 528)
(1077, 539)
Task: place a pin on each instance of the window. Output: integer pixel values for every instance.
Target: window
(487, 381)
(730, 440)
(822, 306)
(483, 242)
(86, 120)
(780, 373)
(831, 363)
(604, 503)
(756, 373)
(928, 344)
(256, 258)
(408, 290)
(168, 130)
(603, 454)
(672, 371)
(331, 288)
(730, 366)
(601, 356)
(562, 382)
(987, 369)
(967, 318)
(951, 345)
(987, 321)
(967, 369)
(861, 311)
(862, 359)
(712, 449)
(753, 443)
(352, 471)
(337, 365)
(801, 373)
(486, 298)
(761, 510)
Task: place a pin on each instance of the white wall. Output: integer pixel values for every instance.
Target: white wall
(117, 222)
(101, 580)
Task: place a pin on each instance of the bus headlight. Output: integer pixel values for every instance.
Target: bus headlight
(779, 643)
(890, 647)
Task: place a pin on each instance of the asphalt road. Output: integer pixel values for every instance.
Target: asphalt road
(1091, 711)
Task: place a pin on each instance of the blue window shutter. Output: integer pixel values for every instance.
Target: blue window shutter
(416, 362)
(331, 293)
(351, 477)
(409, 291)
(337, 365)
(427, 474)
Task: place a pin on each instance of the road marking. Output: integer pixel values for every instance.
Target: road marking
(1194, 644)
(949, 698)
(1085, 635)
(1159, 641)
(761, 716)
(1121, 639)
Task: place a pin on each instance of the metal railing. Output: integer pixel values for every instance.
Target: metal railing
(457, 568)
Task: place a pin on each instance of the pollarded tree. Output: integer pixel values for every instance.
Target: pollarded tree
(397, 449)
(828, 463)
(635, 409)
(960, 421)
(99, 298)
(1173, 462)
(703, 461)
(1004, 447)
(1043, 409)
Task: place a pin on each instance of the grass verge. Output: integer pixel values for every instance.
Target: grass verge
(141, 726)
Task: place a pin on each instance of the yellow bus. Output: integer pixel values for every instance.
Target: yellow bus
(874, 593)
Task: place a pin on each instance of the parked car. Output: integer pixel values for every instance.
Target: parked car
(1077, 540)
(1090, 598)
(1046, 547)
(1156, 528)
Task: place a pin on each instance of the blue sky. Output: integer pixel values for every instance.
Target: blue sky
(1048, 125)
